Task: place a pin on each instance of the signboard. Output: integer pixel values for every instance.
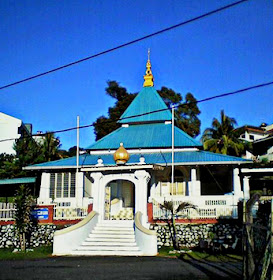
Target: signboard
(40, 213)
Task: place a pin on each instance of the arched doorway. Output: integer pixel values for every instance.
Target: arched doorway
(119, 200)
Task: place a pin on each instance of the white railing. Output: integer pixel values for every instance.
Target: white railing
(69, 213)
(7, 211)
(207, 207)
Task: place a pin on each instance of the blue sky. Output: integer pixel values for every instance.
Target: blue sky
(224, 52)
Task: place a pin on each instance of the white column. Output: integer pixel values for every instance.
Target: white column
(194, 184)
(246, 187)
(237, 183)
(143, 178)
(96, 191)
(79, 188)
(153, 189)
(44, 189)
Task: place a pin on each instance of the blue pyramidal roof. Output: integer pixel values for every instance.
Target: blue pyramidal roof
(146, 101)
(152, 135)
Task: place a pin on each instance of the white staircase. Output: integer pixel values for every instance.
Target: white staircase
(110, 238)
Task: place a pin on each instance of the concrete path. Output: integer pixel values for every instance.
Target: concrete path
(127, 268)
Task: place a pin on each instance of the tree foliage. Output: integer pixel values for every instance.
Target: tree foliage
(24, 221)
(186, 115)
(223, 138)
(29, 151)
(9, 166)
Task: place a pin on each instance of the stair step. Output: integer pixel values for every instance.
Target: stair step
(114, 232)
(114, 226)
(106, 235)
(106, 253)
(99, 229)
(109, 239)
(115, 221)
(110, 243)
(107, 248)
(117, 224)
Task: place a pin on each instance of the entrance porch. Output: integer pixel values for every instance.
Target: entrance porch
(119, 200)
(119, 195)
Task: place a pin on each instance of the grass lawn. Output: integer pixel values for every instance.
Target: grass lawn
(197, 255)
(46, 251)
(38, 253)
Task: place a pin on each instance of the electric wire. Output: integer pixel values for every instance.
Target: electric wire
(124, 45)
(152, 112)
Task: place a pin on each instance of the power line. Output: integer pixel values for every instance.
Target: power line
(152, 112)
(125, 44)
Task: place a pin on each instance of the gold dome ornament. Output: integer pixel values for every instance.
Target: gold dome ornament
(148, 78)
(121, 156)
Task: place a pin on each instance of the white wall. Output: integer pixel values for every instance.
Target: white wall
(255, 135)
(8, 129)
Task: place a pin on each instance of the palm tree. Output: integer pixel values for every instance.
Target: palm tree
(222, 137)
(169, 206)
(50, 147)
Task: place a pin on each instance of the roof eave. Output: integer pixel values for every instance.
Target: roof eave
(209, 163)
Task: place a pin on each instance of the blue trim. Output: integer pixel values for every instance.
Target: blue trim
(13, 181)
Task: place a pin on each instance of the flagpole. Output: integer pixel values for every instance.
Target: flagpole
(172, 147)
(78, 142)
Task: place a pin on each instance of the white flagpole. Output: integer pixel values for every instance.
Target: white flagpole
(78, 142)
(172, 147)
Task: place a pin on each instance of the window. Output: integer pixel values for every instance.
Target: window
(251, 137)
(166, 188)
(52, 185)
(62, 185)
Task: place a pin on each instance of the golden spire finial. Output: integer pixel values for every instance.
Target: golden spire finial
(148, 78)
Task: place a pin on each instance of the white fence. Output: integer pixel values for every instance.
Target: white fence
(7, 211)
(207, 207)
(69, 213)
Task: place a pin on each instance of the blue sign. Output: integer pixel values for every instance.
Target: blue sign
(40, 213)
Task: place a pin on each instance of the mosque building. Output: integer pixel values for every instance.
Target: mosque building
(125, 176)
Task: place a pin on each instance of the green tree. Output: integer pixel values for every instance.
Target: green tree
(223, 138)
(8, 166)
(29, 151)
(175, 212)
(24, 223)
(73, 151)
(50, 146)
(186, 115)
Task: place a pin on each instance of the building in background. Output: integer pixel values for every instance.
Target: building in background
(262, 141)
(11, 128)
